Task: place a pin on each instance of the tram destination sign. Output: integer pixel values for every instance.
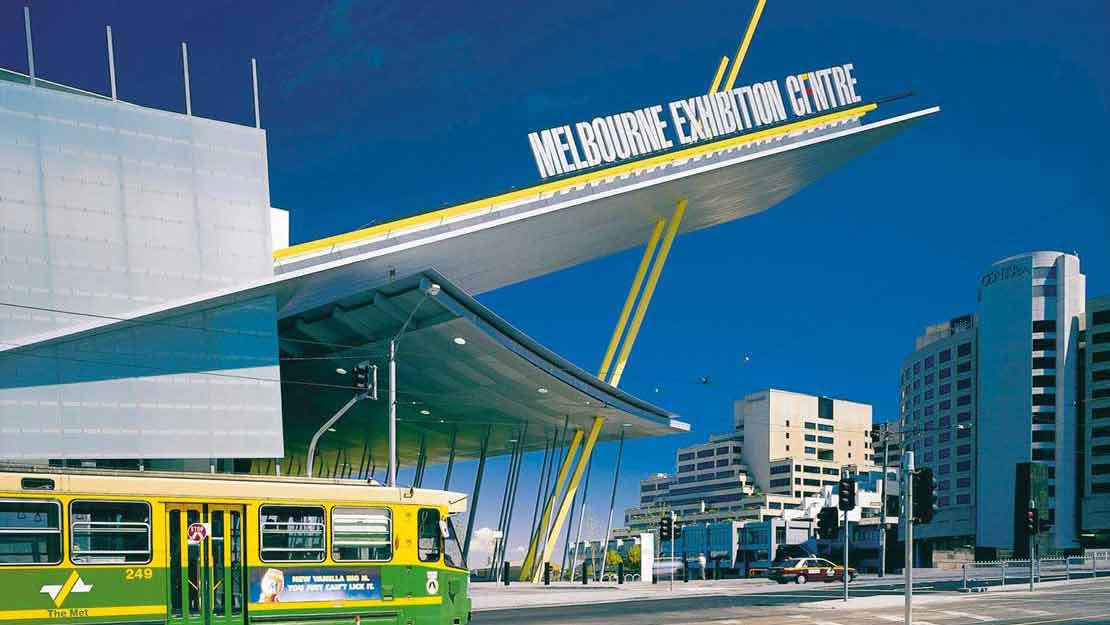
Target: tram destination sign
(612, 138)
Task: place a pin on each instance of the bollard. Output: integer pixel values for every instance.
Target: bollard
(620, 572)
(1094, 566)
(965, 575)
(585, 575)
(654, 577)
(1003, 573)
(1067, 567)
(505, 573)
(546, 573)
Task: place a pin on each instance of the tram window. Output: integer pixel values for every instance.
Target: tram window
(427, 535)
(109, 532)
(30, 532)
(292, 533)
(361, 534)
(452, 552)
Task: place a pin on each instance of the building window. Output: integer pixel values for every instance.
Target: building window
(1044, 418)
(782, 468)
(945, 373)
(963, 416)
(963, 384)
(917, 368)
(1100, 469)
(30, 532)
(1044, 290)
(1048, 325)
(963, 433)
(705, 453)
(943, 484)
(1044, 454)
(928, 394)
(963, 450)
(963, 400)
(824, 408)
(944, 453)
(964, 349)
(828, 440)
(963, 465)
(1045, 436)
(686, 456)
(944, 469)
(1044, 345)
(812, 438)
(1044, 362)
(929, 379)
(963, 367)
(811, 426)
(1100, 317)
(1102, 487)
(945, 355)
(930, 361)
(780, 482)
(811, 450)
(942, 501)
(1100, 450)
(705, 465)
(824, 427)
(945, 421)
(723, 462)
(963, 499)
(109, 532)
(945, 389)
(944, 437)
(1044, 399)
(1101, 413)
(685, 468)
(928, 456)
(963, 482)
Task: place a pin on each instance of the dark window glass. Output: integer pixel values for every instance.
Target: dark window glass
(30, 532)
(175, 562)
(685, 468)
(917, 368)
(964, 349)
(1044, 399)
(1044, 418)
(1100, 393)
(944, 453)
(236, 563)
(824, 427)
(945, 355)
(809, 482)
(945, 373)
(963, 416)
(427, 535)
(1044, 436)
(963, 465)
(687, 456)
(963, 450)
(1100, 450)
(963, 482)
(1044, 345)
(963, 400)
(963, 367)
(828, 440)
(811, 426)
(218, 536)
(452, 550)
(1101, 376)
(109, 532)
(1044, 454)
(945, 421)
(945, 389)
(963, 499)
(1044, 362)
(964, 433)
(929, 379)
(830, 471)
(1100, 469)
(1048, 325)
(1103, 487)
(811, 450)
(780, 482)
(705, 453)
(292, 533)
(1100, 356)
(782, 468)
(1101, 413)
(1100, 317)
(942, 501)
(722, 462)
(1046, 290)
(963, 384)
(809, 469)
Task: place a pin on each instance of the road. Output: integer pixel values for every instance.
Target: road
(875, 603)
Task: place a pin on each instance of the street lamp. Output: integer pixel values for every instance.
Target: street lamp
(430, 289)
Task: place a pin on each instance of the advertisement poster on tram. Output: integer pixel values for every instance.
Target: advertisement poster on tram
(274, 585)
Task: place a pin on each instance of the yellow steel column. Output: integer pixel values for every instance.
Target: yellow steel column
(568, 498)
(525, 572)
(649, 290)
(720, 73)
(631, 299)
(743, 49)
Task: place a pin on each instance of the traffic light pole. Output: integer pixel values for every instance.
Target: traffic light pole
(1033, 507)
(907, 507)
(672, 551)
(846, 533)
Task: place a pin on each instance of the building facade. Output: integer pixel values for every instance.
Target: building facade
(1096, 411)
(938, 415)
(785, 430)
(1030, 308)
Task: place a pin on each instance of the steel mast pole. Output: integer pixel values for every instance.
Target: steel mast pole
(882, 504)
(392, 475)
(907, 480)
(846, 534)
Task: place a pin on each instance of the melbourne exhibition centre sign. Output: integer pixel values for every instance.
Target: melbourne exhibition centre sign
(612, 138)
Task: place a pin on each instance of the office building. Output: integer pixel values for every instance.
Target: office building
(790, 438)
(938, 412)
(1096, 410)
(1030, 308)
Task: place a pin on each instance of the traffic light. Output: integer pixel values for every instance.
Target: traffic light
(666, 526)
(676, 531)
(361, 376)
(847, 491)
(827, 523)
(1032, 522)
(924, 496)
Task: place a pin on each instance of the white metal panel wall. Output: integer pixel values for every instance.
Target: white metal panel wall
(200, 385)
(108, 207)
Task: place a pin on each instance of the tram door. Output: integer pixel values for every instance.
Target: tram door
(205, 571)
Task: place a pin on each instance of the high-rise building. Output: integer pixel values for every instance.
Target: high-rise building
(1030, 309)
(1096, 411)
(938, 414)
(787, 433)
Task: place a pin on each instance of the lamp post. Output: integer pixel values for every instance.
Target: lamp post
(430, 290)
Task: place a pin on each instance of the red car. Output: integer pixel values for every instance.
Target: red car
(802, 570)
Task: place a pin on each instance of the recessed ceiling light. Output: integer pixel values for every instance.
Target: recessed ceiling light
(341, 371)
(460, 340)
(512, 440)
(424, 412)
(442, 421)
(541, 390)
(331, 429)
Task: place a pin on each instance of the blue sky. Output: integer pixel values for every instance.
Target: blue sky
(379, 109)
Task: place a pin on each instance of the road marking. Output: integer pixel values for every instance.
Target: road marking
(967, 615)
(1033, 612)
(890, 619)
(825, 623)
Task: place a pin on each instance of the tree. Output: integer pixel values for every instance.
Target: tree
(634, 556)
(612, 558)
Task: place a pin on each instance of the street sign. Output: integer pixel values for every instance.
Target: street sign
(197, 532)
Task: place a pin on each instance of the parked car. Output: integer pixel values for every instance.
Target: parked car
(664, 568)
(802, 570)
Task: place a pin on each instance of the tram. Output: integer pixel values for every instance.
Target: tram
(86, 546)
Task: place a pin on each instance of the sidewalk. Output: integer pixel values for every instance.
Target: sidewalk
(490, 596)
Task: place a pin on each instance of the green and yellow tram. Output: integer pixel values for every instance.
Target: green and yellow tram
(89, 546)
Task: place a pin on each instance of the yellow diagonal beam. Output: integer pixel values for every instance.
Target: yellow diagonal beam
(720, 74)
(568, 498)
(649, 290)
(634, 290)
(744, 43)
(533, 545)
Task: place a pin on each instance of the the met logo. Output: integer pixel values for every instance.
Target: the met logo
(611, 138)
(1005, 273)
